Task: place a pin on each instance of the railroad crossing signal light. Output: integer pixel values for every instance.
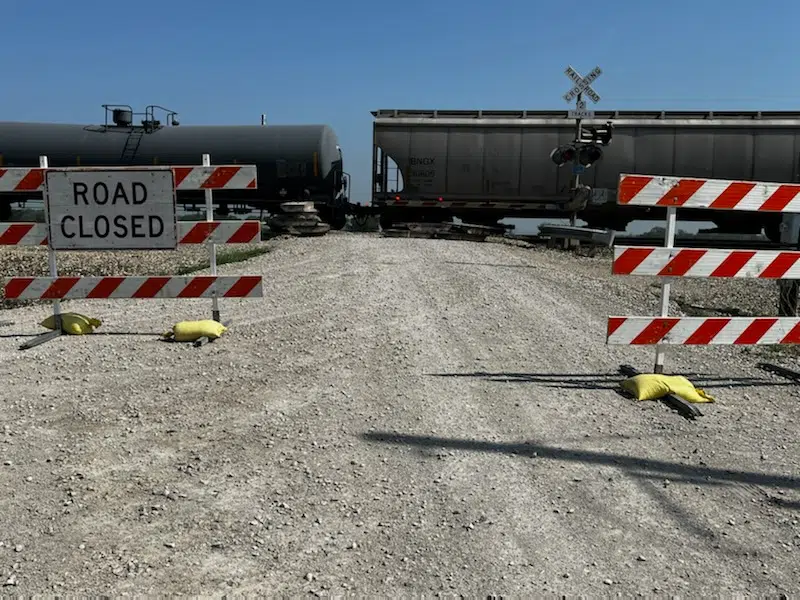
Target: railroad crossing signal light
(589, 154)
(563, 155)
(585, 154)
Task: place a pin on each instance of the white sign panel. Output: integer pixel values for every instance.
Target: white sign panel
(581, 114)
(113, 209)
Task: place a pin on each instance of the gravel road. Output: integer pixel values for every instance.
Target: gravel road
(396, 416)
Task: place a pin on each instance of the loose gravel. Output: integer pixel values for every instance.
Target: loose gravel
(394, 417)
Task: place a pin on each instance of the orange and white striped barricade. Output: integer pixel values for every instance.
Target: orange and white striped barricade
(125, 208)
(668, 262)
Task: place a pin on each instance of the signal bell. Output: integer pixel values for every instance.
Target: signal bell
(592, 135)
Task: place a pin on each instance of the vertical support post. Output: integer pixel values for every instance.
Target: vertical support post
(213, 247)
(669, 242)
(263, 119)
(788, 289)
(51, 254)
(578, 136)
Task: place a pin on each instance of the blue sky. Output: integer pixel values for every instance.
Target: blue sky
(333, 62)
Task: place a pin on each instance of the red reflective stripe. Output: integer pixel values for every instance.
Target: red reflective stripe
(196, 287)
(199, 233)
(680, 264)
(793, 337)
(105, 287)
(14, 234)
(780, 198)
(755, 331)
(243, 286)
(732, 195)
(614, 323)
(246, 233)
(17, 285)
(780, 265)
(60, 287)
(33, 180)
(680, 193)
(732, 263)
(181, 173)
(630, 186)
(655, 331)
(220, 177)
(150, 287)
(706, 333)
(630, 258)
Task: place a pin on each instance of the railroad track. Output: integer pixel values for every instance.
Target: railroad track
(480, 233)
(707, 241)
(725, 242)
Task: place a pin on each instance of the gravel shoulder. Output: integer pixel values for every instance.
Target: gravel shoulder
(395, 416)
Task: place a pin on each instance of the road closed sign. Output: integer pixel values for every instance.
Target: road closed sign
(114, 209)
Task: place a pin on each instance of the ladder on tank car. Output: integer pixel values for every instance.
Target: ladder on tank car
(132, 145)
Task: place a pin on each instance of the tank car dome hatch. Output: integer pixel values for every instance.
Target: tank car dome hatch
(122, 117)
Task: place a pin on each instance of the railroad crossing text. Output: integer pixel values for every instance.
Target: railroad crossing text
(111, 209)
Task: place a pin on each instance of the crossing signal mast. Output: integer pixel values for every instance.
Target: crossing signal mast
(586, 149)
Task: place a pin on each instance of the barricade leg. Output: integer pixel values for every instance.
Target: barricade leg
(788, 288)
(53, 265)
(212, 246)
(669, 242)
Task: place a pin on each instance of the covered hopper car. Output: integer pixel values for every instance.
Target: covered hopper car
(483, 166)
(294, 162)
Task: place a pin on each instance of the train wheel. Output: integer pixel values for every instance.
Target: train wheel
(338, 220)
(773, 232)
(386, 221)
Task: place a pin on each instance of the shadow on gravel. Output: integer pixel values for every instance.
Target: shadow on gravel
(637, 467)
(477, 264)
(610, 381)
(96, 333)
(151, 333)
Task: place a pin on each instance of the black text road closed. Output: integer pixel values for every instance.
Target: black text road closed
(113, 209)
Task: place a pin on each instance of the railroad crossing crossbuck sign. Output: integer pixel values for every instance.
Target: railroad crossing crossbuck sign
(583, 85)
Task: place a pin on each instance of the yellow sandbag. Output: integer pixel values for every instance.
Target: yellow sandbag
(652, 387)
(72, 323)
(190, 331)
(680, 386)
(646, 387)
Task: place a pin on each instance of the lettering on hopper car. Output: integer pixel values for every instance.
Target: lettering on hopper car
(422, 168)
(114, 209)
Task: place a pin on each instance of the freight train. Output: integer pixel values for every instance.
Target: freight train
(482, 166)
(293, 162)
